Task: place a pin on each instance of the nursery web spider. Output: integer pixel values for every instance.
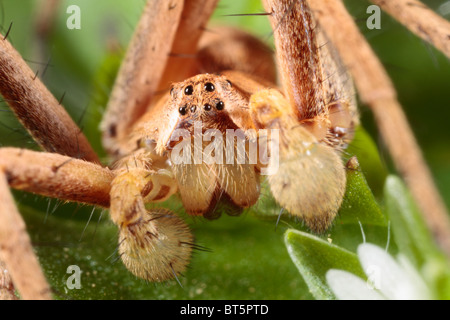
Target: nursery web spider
(230, 82)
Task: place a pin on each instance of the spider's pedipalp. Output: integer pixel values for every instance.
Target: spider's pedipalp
(154, 242)
(308, 178)
(157, 247)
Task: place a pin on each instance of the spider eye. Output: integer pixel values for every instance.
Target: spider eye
(188, 90)
(207, 107)
(220, 105)
(182, 110)
(209, 87)
(193, 109)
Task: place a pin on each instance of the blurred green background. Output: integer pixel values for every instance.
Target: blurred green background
(248, 258)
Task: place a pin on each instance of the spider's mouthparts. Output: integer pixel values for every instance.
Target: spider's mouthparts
(181, 131)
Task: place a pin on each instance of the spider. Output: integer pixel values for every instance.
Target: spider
(231, 84)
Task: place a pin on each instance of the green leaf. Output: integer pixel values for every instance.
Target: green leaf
(359, 204)
(314, 257)
(364, 148)
(413, 237)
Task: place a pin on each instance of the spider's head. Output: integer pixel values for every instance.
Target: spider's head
(207, 101)
(202, 110)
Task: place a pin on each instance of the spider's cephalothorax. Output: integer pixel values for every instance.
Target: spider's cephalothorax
(209, 99)
(208, 110)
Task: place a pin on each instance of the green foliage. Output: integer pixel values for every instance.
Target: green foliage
(314, 257)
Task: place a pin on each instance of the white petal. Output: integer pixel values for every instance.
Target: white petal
(421, 287)
(387, 275)
(347, 286)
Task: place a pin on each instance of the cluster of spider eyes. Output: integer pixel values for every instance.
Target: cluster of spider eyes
(189, 90)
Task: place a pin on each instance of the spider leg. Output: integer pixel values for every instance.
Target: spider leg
(37, 109)
(153, 61)
(421, 20)
(16, 250)
(298, 56)
(316, 84)
(306, 177)
(50, 175)
(154, 244)
(225, 48)
(314, 118)
(377, 91)
(6, 285)
(57, 176)
(182, 58)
